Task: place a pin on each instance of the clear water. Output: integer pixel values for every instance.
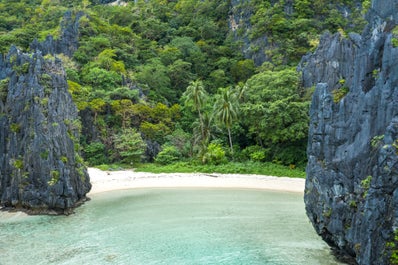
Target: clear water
(169, 226)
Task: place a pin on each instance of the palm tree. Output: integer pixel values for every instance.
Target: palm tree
(226, 110)
(241, 91)
(197, 95)
(203, 133)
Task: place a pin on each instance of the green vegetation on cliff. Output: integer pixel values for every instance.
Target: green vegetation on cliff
(167, 81)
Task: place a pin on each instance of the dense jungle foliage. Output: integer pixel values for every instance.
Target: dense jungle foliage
(167, 81)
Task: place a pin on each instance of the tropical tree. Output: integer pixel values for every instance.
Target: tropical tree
(241, 91)
(226, 110)
(182, 141)
(202, 133)
(106, 60)
(180, 75)
(129, 145)
(100, 78)
(97, 105)
(196, 95)
(155, 76)
(275, 114)
(125, 109)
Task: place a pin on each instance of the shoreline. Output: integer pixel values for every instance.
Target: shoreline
(107, 181)
(103, 181)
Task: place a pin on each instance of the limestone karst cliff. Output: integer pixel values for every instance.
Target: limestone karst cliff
(264, 31)
(40, 167)
(68, 41)
(351, 192)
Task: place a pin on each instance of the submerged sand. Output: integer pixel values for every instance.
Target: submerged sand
(103, 181)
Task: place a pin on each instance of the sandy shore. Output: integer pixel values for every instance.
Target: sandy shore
(103, 181)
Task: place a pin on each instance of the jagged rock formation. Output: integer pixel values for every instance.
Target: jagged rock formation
(260, 48)
(239, 18)
(40, 167)
(67, 43)
(332, 62)
(351, 192)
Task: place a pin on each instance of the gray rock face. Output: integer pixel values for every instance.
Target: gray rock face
(240, 14)
(40, 167)
(332, 62)
(260, 49)
(351, 192)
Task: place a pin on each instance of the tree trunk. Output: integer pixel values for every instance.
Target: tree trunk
(201, 124)
(230, 140)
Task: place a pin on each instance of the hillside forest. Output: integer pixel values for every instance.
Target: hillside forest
(188, 81)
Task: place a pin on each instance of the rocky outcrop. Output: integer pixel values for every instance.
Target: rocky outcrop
(332, 63)
(41, 170)
(261, 48)
(67, 43)
(239, 23)
(351, 192)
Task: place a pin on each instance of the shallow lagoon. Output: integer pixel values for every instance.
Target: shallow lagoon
(169, 226)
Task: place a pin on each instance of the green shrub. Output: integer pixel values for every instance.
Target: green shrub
(78, 159)
(129, 146)
(112, 167)
(168, 155)
(290, 155)
(181, 140)
(340, 93)
(377, 141)
(44, 154)
(256, 153)
(72, 75)
(15, 127)
(392, 246)
(21, 69)
(4, 89)
(327, 213)
(54, 177)
(394, 42)
(44, 101)
(258, 156)
(394, 38)
(18, 163)
(214, 154)
(95, 153)
(267, 168)
(64, 159)
(365, 183)
(353, 204)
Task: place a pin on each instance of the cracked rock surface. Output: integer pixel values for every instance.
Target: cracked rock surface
(351, 193)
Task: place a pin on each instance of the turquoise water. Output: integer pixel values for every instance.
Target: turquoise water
(169, 226)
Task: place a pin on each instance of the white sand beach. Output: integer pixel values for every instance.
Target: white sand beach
(103, 181)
